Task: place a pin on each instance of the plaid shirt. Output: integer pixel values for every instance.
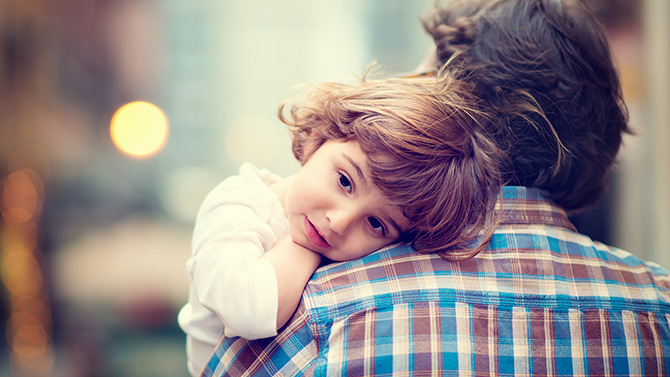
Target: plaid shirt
(541, 300)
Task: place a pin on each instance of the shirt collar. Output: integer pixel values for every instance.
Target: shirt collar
(527, 205)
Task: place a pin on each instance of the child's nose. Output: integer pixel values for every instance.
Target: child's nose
(340, 220)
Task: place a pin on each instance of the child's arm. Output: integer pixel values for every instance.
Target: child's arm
(229, 275)
(293, 265)
(252, 292)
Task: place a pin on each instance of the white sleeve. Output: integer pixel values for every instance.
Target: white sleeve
(228, 275)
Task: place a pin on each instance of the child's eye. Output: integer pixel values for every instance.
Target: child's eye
(345, 182)
(377, 225)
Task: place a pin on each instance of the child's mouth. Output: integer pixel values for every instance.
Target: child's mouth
(313, 234)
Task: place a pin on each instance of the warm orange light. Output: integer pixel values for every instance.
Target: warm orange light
(29, 327)
(21, 196)
(139, 129)
(21, 274)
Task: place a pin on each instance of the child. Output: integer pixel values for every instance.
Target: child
(396, 160)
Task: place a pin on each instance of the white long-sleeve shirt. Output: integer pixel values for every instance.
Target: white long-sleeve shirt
(233, 290)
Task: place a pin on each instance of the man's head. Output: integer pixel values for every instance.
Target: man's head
(545, 68)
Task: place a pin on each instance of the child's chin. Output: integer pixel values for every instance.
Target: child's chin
(326, 261)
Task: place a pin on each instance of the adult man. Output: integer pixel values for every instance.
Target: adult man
(541, 298)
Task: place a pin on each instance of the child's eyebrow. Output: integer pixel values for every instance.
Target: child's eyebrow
(358, 169)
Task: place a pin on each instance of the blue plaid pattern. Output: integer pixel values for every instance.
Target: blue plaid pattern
(541, 300)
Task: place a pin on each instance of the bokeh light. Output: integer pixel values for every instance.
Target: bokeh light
(139, 129)
(21, 274)
(30, 324)
(21, 196)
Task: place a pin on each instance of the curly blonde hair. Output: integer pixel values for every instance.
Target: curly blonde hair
(427, 151)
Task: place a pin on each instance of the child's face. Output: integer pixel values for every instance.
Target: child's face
(335, 210)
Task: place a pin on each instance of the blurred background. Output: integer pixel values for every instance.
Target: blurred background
(118, 116)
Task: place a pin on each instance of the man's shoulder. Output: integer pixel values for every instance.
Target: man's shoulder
(524, 265)
(393, 275)
(292, 352)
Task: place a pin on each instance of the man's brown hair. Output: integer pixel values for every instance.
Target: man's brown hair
(545, 68)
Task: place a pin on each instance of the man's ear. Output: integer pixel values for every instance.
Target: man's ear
(430, 61)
